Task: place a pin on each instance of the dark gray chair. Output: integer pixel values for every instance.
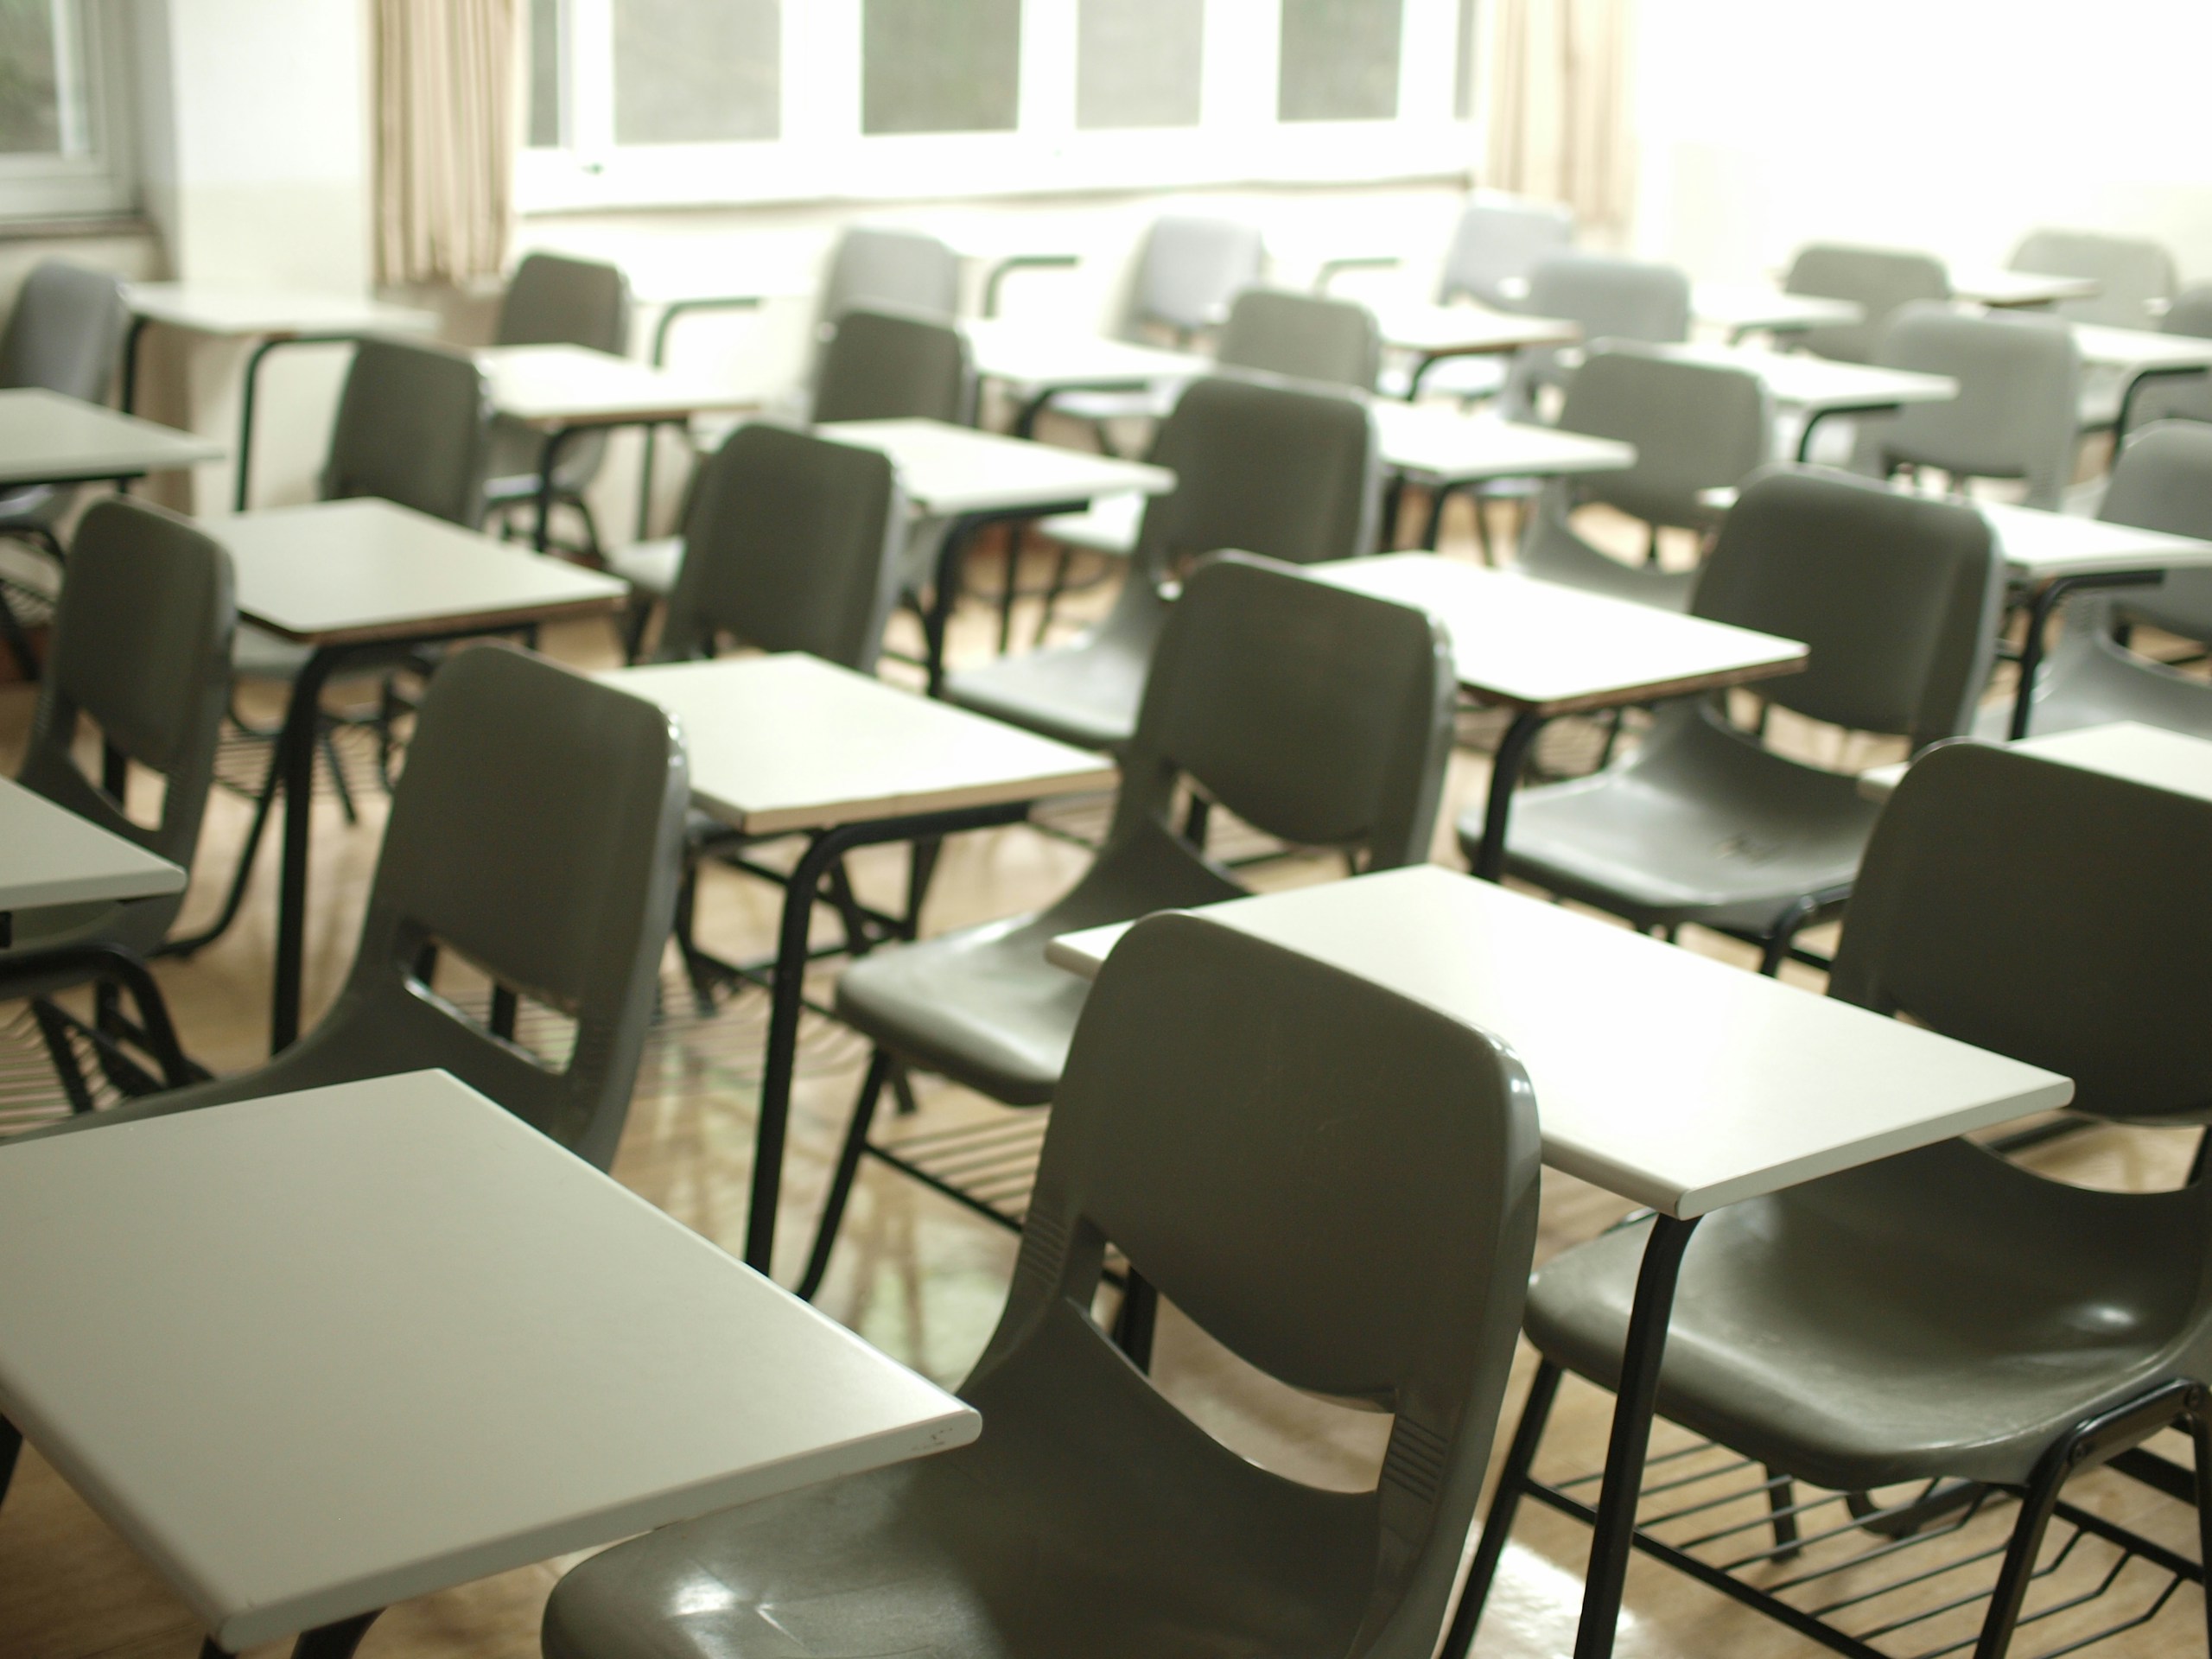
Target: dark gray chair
(537, 836)
(1877, 280)
(1946, 1313)
(1219, 1124)
(1286, 473)
(2184, 398)
(1318, 716)
(1613, 298)
(1897, 596)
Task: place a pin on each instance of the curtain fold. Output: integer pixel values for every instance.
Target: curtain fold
(448, 124)
(1560, 128)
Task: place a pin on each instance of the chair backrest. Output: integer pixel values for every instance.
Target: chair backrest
(1190, 268)
(414, 426)
(1695, 427)
(2047, 912)
(1303, 337)
(2187, 398)
(1219, 1122)
(791, 542)
(537, 831)
(552, 300)
(65, 333)
(2018, 411)
(882, 366)
(1613, 298)
(1287, 472)
(2131, 274)
(1896, 597)
(2162, 480)
(1877, 280)
(1496, 244)
(142, 646)
(880, 267)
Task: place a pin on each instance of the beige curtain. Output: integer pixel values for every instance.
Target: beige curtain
(447, 126)
(1560, 124)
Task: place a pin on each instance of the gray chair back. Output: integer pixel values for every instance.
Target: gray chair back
(553, 300)
(2186, 398)
(1613, 298)
(1877, 280)
(2162, 481)
(901, 270)
(2044, 912)
(791, 542)
(880, 365)
(1695, 427)
(414, 426)
(2131, 274)
(65, 333)
(1189, 270)
(2016, 415)
(1496, 245)
(1218, 1122)
(1896, 597)
(1303, 337)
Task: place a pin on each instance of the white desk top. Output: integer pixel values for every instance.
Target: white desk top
(791, 742)
(2038, 545)
(1436, 441)
(2138, 349)
(48, 855)
(2019, 288)
(45, 438)
(1740, 307)
(1470, 330)
(573, 386)
(316, 1354)
(274, 312)
(1815, 384)
(949, 469)
(1558, 649)
(1032, 360)
(2142, 754)
(1710, 1086)
(343, 571)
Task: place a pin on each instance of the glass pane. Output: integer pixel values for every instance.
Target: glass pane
(940, 65)
(1137, 62)
(545, 74)
(30, 94)
(1463, 82)
(689, 71)
(1339, 61)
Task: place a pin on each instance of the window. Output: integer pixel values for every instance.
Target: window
(672, 102)
(60, 106)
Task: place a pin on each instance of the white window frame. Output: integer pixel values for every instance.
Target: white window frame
(823, 155)
(92, 175)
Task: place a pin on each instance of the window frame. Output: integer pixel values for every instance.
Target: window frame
(99, 180)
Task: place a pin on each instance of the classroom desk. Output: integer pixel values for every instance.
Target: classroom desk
(316, 1354)
(1543, 650)
(2125, 748)
(45, 438)
(2002, 289)
(1445, 450)
(361, 582)
(1740, 308)
(791, 745)
(2137, 355)
(1818, 388)
(1035, 363)
(1433, 333)
(1712, 1086)
(273, 318)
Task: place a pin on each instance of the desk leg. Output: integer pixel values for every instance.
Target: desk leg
(1633, 1407)
(128, 400)
(2041, 609)
(1519, 741)
(549, 458)
(336, 1640)
(244, 470)
(295, 764)
(1423, 363)
(944, 596)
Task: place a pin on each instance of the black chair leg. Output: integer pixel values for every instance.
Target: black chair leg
(1134, 1323)
(695, 966)
(53, 1028)
(1512, 1483)
(848, 1163)
(1781, 1505)
(337, 776)
(11, 1446)
(1053, 589)
(1195, 820)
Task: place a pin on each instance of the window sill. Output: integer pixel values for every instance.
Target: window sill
(57, 228)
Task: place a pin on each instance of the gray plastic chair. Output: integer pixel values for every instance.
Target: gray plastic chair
(1896, 597)
(2016, 415)
(1495, 247)
(554, 301)
(2178, 399)
(1695, 426)
(537, 834)
(881, 365)
(2131, 274)
(1613, 298)
(1302, 337)
(1318, 716)
(414, 427)
(878, 267)
(1877, 280)
(1946, 1313)
(1219, 1124)
(1286, 473)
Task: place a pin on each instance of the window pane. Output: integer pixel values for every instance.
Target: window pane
(689, 71)
(30, 96)
(546, 74)
(1339, 61)
(940, 65)
(1137, 62)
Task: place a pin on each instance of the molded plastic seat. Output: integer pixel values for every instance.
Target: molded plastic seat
(1896, 597)
(1494, 247)
(1877, 280)
(1612, 298)
(881, 266)
(1219, 1125)
(2132, 274)
(2187, 398)
(1288, 474)
(552, 300)
(2019, 387)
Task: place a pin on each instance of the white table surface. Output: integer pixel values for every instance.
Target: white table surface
(48, 855)
(573, 386)
(947, 470)
(1982, 286)
(216, 308)
(790, 742)
(1710, 1085)
(1029, 359)
(1813, 385)
(2142, 754)
(1543, 645)
(2134, 350)
(45, 438)
(316, 1354)
(363, 570)
(1469, 330)
(1740, 307)
(1435, 441)
(2038, 544)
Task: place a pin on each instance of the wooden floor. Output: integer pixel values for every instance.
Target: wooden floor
(916, 1274)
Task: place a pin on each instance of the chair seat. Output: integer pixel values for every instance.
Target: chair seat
(648, 567)
(1465, 377)
(1086, 694)
(257, 654)
(1942, 1313)
(1109, 527)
